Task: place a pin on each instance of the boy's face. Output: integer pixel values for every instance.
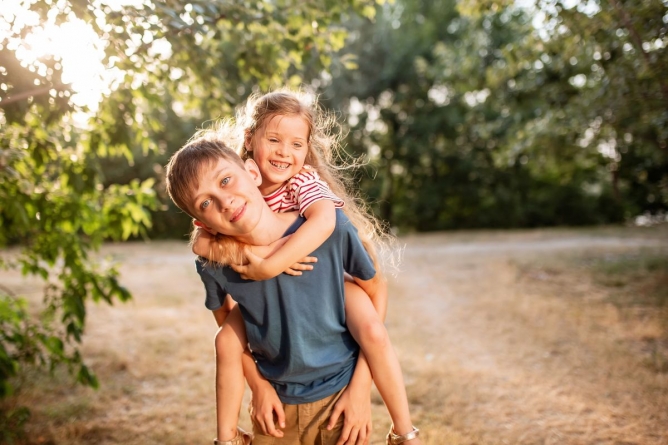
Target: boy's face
(227, 199)
(280, 147)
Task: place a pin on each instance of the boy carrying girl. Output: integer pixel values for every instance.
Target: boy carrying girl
(303, 366)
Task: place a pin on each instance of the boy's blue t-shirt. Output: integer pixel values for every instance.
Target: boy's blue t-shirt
(296, 326)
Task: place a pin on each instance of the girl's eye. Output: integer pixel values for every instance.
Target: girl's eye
(297, 145)
(205, 204)
(273, 140)
(225, 180)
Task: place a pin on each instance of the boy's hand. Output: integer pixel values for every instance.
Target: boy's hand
(355, 407)
(267, 410)
(257, 268)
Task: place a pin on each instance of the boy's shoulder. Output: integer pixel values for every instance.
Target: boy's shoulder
(343, 222)
(343, 229)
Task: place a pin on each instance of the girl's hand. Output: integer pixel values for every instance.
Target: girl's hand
(355, 406)
(257, 268)
(267, 410)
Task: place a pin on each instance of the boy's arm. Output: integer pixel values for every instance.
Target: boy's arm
(355, 406)
(265, 400)
(376, 289)
(266, 406)
(319, 225)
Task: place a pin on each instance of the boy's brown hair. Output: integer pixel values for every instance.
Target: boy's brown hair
(184, 167)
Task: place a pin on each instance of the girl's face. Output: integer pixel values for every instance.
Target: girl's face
(279, 148)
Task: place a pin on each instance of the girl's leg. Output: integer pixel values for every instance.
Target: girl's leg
(368, 330)
(230, 343)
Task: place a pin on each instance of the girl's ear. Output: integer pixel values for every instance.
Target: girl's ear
(203, 226)
(254, 171)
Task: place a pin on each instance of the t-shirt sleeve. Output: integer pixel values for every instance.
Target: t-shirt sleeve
(309, 188)
(356, 260)
(215, 292)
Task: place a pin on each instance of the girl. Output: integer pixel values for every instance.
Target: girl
(291, 143)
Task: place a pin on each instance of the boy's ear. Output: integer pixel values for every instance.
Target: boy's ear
(254, 171)
(201, 225)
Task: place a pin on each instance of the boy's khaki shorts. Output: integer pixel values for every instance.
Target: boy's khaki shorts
(305, 424)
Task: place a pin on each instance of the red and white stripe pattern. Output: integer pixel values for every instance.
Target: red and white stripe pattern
(302, 190)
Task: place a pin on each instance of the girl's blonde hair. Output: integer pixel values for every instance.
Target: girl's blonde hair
(325, 154)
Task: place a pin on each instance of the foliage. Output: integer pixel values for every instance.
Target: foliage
(219, 52)
(482, 115)
(617, 51)
(66, 187)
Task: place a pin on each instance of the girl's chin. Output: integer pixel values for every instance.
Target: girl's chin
(270, 187)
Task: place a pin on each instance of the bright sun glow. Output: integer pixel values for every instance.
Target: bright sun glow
(74, 43)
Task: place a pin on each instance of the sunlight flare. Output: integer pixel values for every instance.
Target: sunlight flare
(73, 43)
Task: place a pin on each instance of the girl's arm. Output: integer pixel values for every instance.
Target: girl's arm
(226, 250)
(219, 248)
(319, 225)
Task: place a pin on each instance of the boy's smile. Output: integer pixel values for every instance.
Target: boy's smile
(279, 148)
(236, 216)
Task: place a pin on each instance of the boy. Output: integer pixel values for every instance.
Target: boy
(295, 326)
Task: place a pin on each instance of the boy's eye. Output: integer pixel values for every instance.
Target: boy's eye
(225, 180)
(205, 204)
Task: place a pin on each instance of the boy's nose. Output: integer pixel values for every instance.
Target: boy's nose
(225, 203)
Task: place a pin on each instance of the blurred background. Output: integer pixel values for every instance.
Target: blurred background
(470, 114)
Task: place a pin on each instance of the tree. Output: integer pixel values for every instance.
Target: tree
(619, 49)
(479, 114)
(178, 62)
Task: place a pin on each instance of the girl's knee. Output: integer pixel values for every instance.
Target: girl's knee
(373, 335)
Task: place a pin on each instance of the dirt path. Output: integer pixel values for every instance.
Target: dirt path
(496, 348)
(496, 357)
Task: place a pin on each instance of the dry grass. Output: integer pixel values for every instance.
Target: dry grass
(535, 337)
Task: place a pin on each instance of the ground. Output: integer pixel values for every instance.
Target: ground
(527, 337)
